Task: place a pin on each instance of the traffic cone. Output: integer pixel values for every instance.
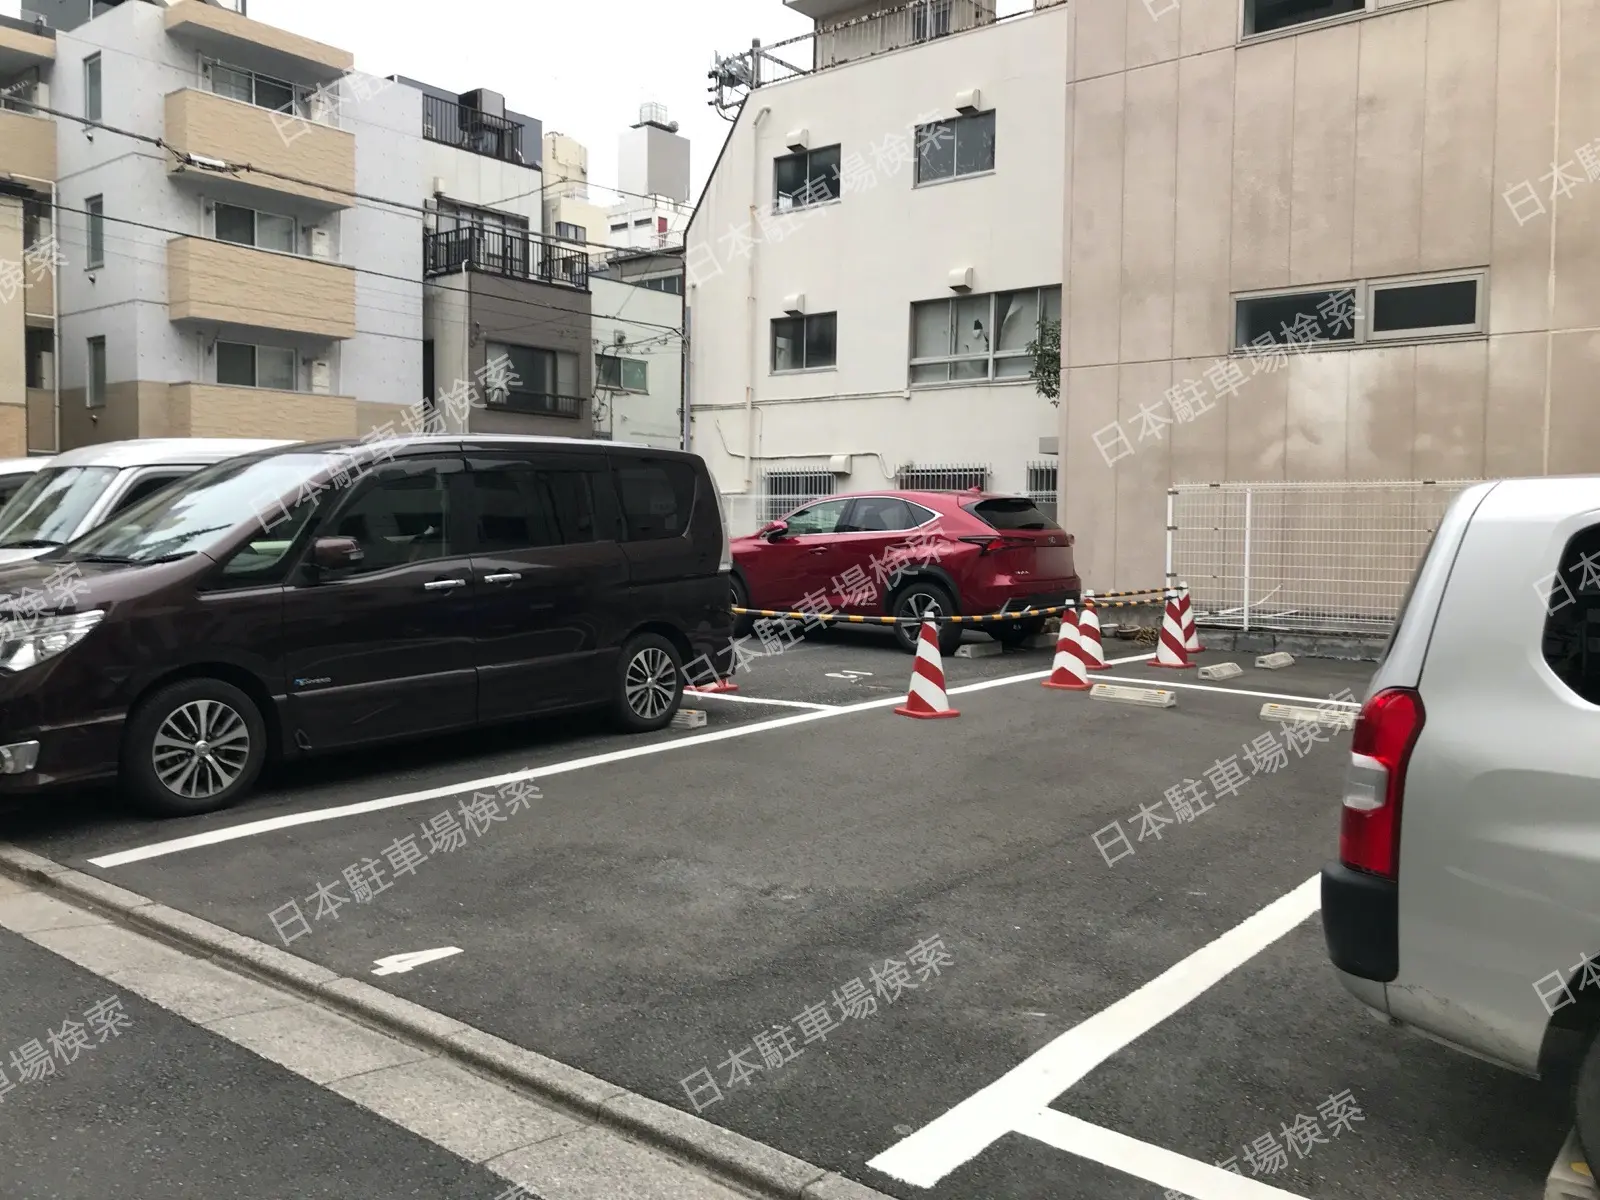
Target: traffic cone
(1171, 648)
(926, 697)
(1068, 672)
(1191, 635)
(1094, 653)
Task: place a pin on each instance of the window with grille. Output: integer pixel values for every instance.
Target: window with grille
(1042, 487)
(787, 490)
(942, 479)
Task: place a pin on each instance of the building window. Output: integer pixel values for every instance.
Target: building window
(247, 227)
(95, 207)
(95, 393)
(570, 232)
(538, 380)
(951, 149)
(622, 374)
(240, 364)
(961, 477)
(1042, 477)
(785, 491)
(619, 228)
(642, 223)
(804, 343)
(1264, 16)
(263, 91)
(1364, 311)
(810, 177)
(974, 339)
(91, 87)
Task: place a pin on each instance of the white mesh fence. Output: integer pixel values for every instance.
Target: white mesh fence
(1322, 557)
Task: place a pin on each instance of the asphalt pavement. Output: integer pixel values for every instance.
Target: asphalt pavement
(679, 914)
(139, 1103)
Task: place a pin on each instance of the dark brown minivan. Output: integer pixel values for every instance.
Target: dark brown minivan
(335, 594)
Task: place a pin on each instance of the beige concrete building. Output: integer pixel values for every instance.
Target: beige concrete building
(1416, 177)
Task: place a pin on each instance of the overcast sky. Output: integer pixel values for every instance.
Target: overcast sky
(582, 68)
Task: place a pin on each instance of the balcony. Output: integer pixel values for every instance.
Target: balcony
(544, 404)
(226, 34)
(24, 44)
(509, 253)
(27, 146)
(238, 285)
(452, 124)
(217, 410)
(203, 123)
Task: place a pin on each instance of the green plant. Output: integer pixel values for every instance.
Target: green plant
(1045, 350)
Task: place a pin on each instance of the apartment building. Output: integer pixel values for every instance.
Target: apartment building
(27, 261)
(498, 289)
(215, 272)
(570, 214)
(878, 242)
(1298, 241)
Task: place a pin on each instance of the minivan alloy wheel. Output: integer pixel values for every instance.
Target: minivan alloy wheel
(200, 749)
(650, 683)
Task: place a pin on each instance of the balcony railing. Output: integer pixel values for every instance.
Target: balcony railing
(509, 253)
(471, 129)
(539, 403)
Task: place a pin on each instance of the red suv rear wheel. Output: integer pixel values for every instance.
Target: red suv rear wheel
(920, 598)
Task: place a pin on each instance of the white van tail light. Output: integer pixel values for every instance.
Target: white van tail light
(1380, 750)
(726, 563)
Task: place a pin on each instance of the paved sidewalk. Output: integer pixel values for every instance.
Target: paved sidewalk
(472, 1134)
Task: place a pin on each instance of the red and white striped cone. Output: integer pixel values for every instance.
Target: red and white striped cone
(1068, 672)
(1094, 653)
(1172, 649)
(926, 697)
(1191, 635)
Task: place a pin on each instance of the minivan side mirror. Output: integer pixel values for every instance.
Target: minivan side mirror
(774, 529)
(336, 553)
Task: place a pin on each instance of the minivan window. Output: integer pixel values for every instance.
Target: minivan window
(1012, 512)
(400, 517)
(49, 507)
(657, 497)
(1572, 616)
(204, 509)
(146, 487)
(514, 511)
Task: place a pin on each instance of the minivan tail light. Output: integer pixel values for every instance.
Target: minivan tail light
(725, 564)
(1380, 751)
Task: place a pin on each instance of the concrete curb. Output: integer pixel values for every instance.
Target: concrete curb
(730, 1157)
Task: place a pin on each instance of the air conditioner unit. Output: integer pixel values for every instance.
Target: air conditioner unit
(438, 185)
(321, 376)
(321, 244)
(961, 279)
(841, 464)
(619, 338)
(795, 305)
(798, 139)
(969, 102)
(324, 107)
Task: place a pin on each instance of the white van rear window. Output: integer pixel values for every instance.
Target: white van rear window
(1572, 616)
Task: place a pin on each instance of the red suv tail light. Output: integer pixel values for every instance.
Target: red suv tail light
(1380, 750)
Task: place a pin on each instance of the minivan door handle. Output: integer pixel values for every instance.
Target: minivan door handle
(443, 585)
(503, 577)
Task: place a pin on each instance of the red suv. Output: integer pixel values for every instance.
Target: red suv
(908, 554)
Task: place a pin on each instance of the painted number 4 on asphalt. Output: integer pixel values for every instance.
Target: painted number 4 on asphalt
(399, 964)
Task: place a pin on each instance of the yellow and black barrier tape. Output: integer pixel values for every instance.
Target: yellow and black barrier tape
(1134, 592)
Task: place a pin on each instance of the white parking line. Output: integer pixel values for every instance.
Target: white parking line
(758, 700)
(232, 833)
(1008, 1104)
(1142, 1160)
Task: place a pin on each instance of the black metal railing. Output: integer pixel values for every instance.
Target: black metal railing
(542, 403)
(510, 253)
(471, 129)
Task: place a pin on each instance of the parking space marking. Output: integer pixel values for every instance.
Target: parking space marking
(1203, 687)
(763, 700)
(1004, 1106)
(1162, 1167)
(290, 820)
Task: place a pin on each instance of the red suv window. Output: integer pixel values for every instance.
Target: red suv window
(1011, 512)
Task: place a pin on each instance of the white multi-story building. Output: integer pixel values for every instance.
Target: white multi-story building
(871, 326)
(652, 208)
(569, 213)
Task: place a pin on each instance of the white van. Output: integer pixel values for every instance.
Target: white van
(72, 493)
(14, 472)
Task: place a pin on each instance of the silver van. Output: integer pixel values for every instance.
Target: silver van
(73, 492)
(1466, 900)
